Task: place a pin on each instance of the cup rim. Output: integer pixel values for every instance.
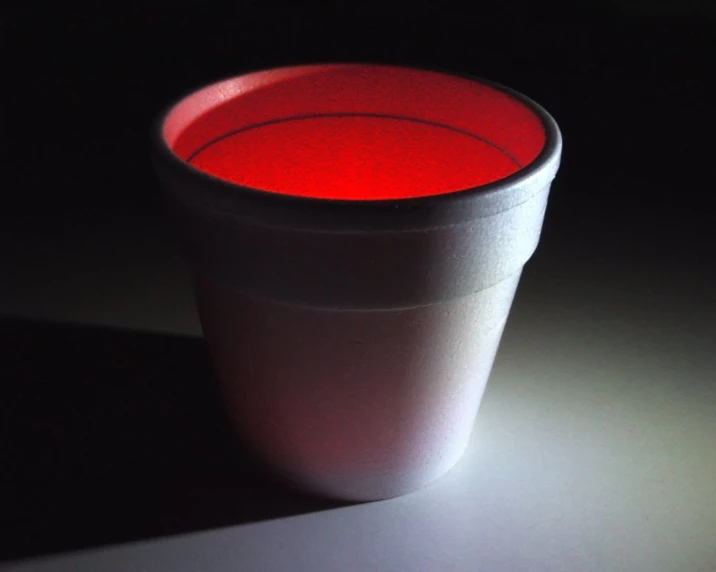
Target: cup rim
(434, 210)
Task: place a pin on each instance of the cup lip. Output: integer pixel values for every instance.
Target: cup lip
(454, 206)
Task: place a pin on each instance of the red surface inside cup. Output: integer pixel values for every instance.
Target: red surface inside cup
(354, 132)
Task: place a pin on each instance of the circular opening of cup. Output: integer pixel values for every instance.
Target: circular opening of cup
(354, 132)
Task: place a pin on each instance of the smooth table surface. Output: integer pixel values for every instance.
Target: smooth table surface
(594, 448)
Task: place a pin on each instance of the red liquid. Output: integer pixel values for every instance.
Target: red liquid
(355, 132)
(355, 158)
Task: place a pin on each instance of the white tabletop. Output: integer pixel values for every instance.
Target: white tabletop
(594, 448)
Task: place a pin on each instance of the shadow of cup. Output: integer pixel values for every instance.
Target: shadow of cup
(112, 436)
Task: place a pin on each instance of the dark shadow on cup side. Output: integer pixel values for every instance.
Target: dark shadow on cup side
(111, 436)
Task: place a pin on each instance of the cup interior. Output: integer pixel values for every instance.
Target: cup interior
(355, 132)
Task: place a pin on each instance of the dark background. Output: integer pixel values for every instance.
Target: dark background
(629, 82)
(631, 85)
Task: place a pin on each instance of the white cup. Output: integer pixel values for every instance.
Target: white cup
(353, 336)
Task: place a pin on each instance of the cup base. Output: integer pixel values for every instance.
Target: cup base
(362, 489)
